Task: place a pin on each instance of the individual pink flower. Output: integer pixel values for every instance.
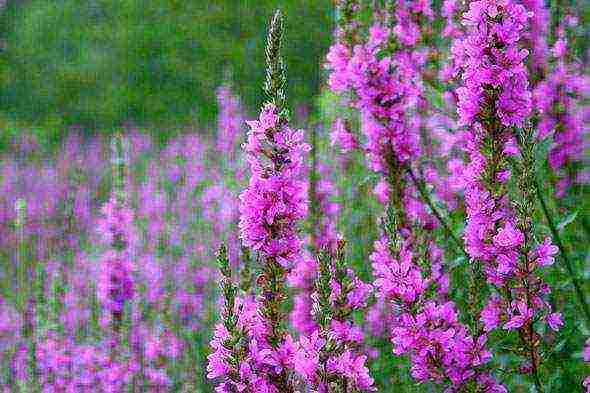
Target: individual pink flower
(508, 237)
(545, 253)
(555, 321)
(521, 314)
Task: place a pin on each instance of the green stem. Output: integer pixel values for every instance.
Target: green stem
(426, 198)
(586, 226)
(314, 209)
(564, 254)
(536, 378)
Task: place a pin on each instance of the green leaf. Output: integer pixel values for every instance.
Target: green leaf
(369, 179)
(461, 260)
(559, 346)
(567, 220)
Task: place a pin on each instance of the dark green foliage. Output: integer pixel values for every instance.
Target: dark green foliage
(102, 63)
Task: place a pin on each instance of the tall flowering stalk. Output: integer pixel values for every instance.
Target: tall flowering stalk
(385, 76)
(270, 210)
(230, 342)
(273, 205)
(494, 100)
(116, 285)
(329, 358)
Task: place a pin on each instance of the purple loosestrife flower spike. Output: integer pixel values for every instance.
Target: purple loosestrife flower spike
(328, 358)
(230, 341)
(494, 99)
(272, 206)
(116, 286)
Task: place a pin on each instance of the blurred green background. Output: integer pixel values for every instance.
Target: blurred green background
(99, 64)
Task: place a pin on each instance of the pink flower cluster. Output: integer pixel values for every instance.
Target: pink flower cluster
(492, 62)
(270, 210)
(382, 95)
(520, 311)
(332, 352)
(347, 365)
(469, 55)
(257, 360)
(440, 347)
(276, 198)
